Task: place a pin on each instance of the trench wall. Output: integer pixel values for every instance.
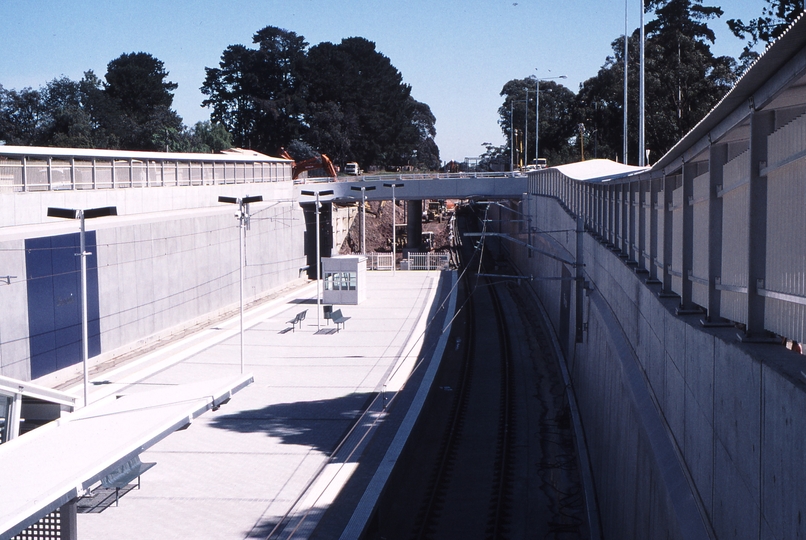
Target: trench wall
(168, 261)
(691, 433)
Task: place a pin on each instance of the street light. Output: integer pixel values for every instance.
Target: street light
(81, 215)
(537, 112)
(243, 221)
(511, 140)
(394, 225)
(318, 254)
(363, 190)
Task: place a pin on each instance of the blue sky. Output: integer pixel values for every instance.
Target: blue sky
(456, 54)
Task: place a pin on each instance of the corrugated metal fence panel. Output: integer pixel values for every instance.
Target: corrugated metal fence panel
(700, 247)
(103, 174)
(677, 241)
(646, 253)
(10, 175)
(786, 222)
(735, 192)
(82, 171)
(154, 173)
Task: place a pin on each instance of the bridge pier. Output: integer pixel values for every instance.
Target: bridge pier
(414, 224)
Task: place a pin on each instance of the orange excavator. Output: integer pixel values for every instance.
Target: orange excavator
(299, 167)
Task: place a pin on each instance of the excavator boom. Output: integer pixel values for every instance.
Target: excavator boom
(321, 162)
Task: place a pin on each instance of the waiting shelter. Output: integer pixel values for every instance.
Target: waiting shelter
(345, 279)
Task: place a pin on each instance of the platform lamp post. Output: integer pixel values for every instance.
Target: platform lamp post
(537, 111)
(393, 185)
(243, 221)
(363, 190)
(318, 252)
(81, 215)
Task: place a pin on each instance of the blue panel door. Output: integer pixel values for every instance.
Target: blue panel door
(54, 302)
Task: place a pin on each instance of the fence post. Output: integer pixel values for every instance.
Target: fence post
(761, 125)
(718, 156)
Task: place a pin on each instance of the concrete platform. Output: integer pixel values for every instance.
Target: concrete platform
(306, 437)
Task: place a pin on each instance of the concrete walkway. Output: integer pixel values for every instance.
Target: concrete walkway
(282, 450)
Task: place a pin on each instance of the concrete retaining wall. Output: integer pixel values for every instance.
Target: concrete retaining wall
(167, 261)
(691, 433)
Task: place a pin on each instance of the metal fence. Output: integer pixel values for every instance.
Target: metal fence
(428, 261)
(415, 261)
(379, 261)
(43, 173)
(699, 234)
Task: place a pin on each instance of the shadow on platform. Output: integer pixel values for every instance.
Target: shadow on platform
(317, 424)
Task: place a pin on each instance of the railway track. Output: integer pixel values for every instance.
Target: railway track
(474, 455)
(493, 454)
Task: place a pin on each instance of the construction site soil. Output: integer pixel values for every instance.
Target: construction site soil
(379, 229)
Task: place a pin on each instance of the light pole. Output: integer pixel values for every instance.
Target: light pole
(626, 65)
(81, 215)
(511, 139)
(642, 98)
(526, 128)
(243, 221)
(318, 253)
(537, 111)
(394, 225)
(363, 190)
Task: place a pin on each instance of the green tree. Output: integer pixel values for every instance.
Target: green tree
(357, 101)
(775, 17)
(558, 120)
(70, 122)
(211, 137)
(22, 116)
(254, 93)
(139, 99)
(683, 81)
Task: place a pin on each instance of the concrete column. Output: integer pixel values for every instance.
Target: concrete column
(652, 241)
(761, 125)
(626, 219)
(717, 159)
(68, 517)
(641, 241)
(689, 174)
(634, 196)
(665, 243)
(414, 224)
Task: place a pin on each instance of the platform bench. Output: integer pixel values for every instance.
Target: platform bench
(297, 320)
(338, 318)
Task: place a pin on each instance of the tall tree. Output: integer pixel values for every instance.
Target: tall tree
(22, 116)
(139, 101)
(377, 120)
(774, 19)
(684, 80)
(690, 80)
(558, 120)
(255, 93)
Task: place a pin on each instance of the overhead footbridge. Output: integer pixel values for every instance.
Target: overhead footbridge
(419, 187)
